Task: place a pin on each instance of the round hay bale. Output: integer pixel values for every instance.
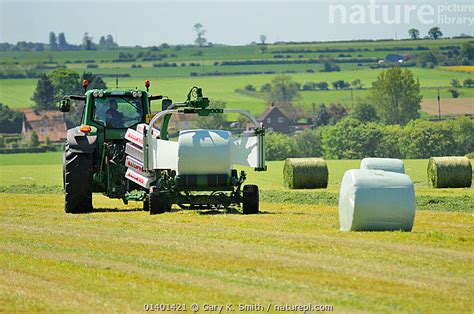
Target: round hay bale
(385, 164)
(449, 172)
(305, 173)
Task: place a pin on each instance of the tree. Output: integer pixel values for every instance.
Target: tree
(389, 146)
(351, 139)
(356, 84)
(341, 84)
(427, 59)
(321, 85)
(308, 86)
(468, 83)
(321, 115)
(282, 92)
(53, 44)
(329, 65)
(95, 81)
(435, 33)
(213, 121)
(279, 146)
(62, 43)
(44, 95)
(10, 120)
(283, 89)
(87, 43)
(455, 83)
(463, 128)
(414, 33)
(309, 143)
(364, 112)
(467, 51)
(33, 141)
(250, 88)
(266, 87)
(200, 32)
(396, 96)
(65, 82)
(108, 42)
(102, 42)
(454, 92)
(263, 39)
(337, 112)
(423, 139)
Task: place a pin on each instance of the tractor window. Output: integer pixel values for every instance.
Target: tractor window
(118, 112)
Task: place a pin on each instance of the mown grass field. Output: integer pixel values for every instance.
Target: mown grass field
(119, 257)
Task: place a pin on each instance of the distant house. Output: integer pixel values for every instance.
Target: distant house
(274, 120)
(179, 122)
(46, 123)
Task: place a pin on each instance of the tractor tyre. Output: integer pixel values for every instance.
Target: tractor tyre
(250, 199)
(77, 176)
(146, 204)
(158, 204)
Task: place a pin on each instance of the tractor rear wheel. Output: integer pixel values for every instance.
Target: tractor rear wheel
(158, 204)
(77, 175)
(146, 204)
(250, 199)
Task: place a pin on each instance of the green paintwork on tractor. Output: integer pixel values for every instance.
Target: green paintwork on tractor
(111, 134)
(107, 175)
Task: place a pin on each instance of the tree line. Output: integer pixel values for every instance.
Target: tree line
(59, 42)
(354, 139)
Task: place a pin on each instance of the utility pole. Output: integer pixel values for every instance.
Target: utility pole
(439, 106)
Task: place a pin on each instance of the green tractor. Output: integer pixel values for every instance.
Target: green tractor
(122, 150)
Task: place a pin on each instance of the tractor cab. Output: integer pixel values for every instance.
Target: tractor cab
(112, 109)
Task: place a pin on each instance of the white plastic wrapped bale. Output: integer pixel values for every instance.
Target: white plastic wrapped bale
(204, 152)
(375, 200)
(385, 164)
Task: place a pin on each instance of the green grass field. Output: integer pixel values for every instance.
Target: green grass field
(45, 170)
(175, 82)
(224, 87)
(225, 52)
(119, 257)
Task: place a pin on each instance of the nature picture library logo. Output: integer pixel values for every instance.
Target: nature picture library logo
(384, 12)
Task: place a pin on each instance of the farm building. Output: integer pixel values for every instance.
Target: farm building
(180, 122)
(274, 120)
(46, 123)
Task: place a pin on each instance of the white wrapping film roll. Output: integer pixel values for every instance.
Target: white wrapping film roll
(204, 152)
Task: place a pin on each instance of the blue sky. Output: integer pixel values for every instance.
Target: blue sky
(229, 22)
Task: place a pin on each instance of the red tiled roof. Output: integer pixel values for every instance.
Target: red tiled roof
(37, 115)
(46, 123)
